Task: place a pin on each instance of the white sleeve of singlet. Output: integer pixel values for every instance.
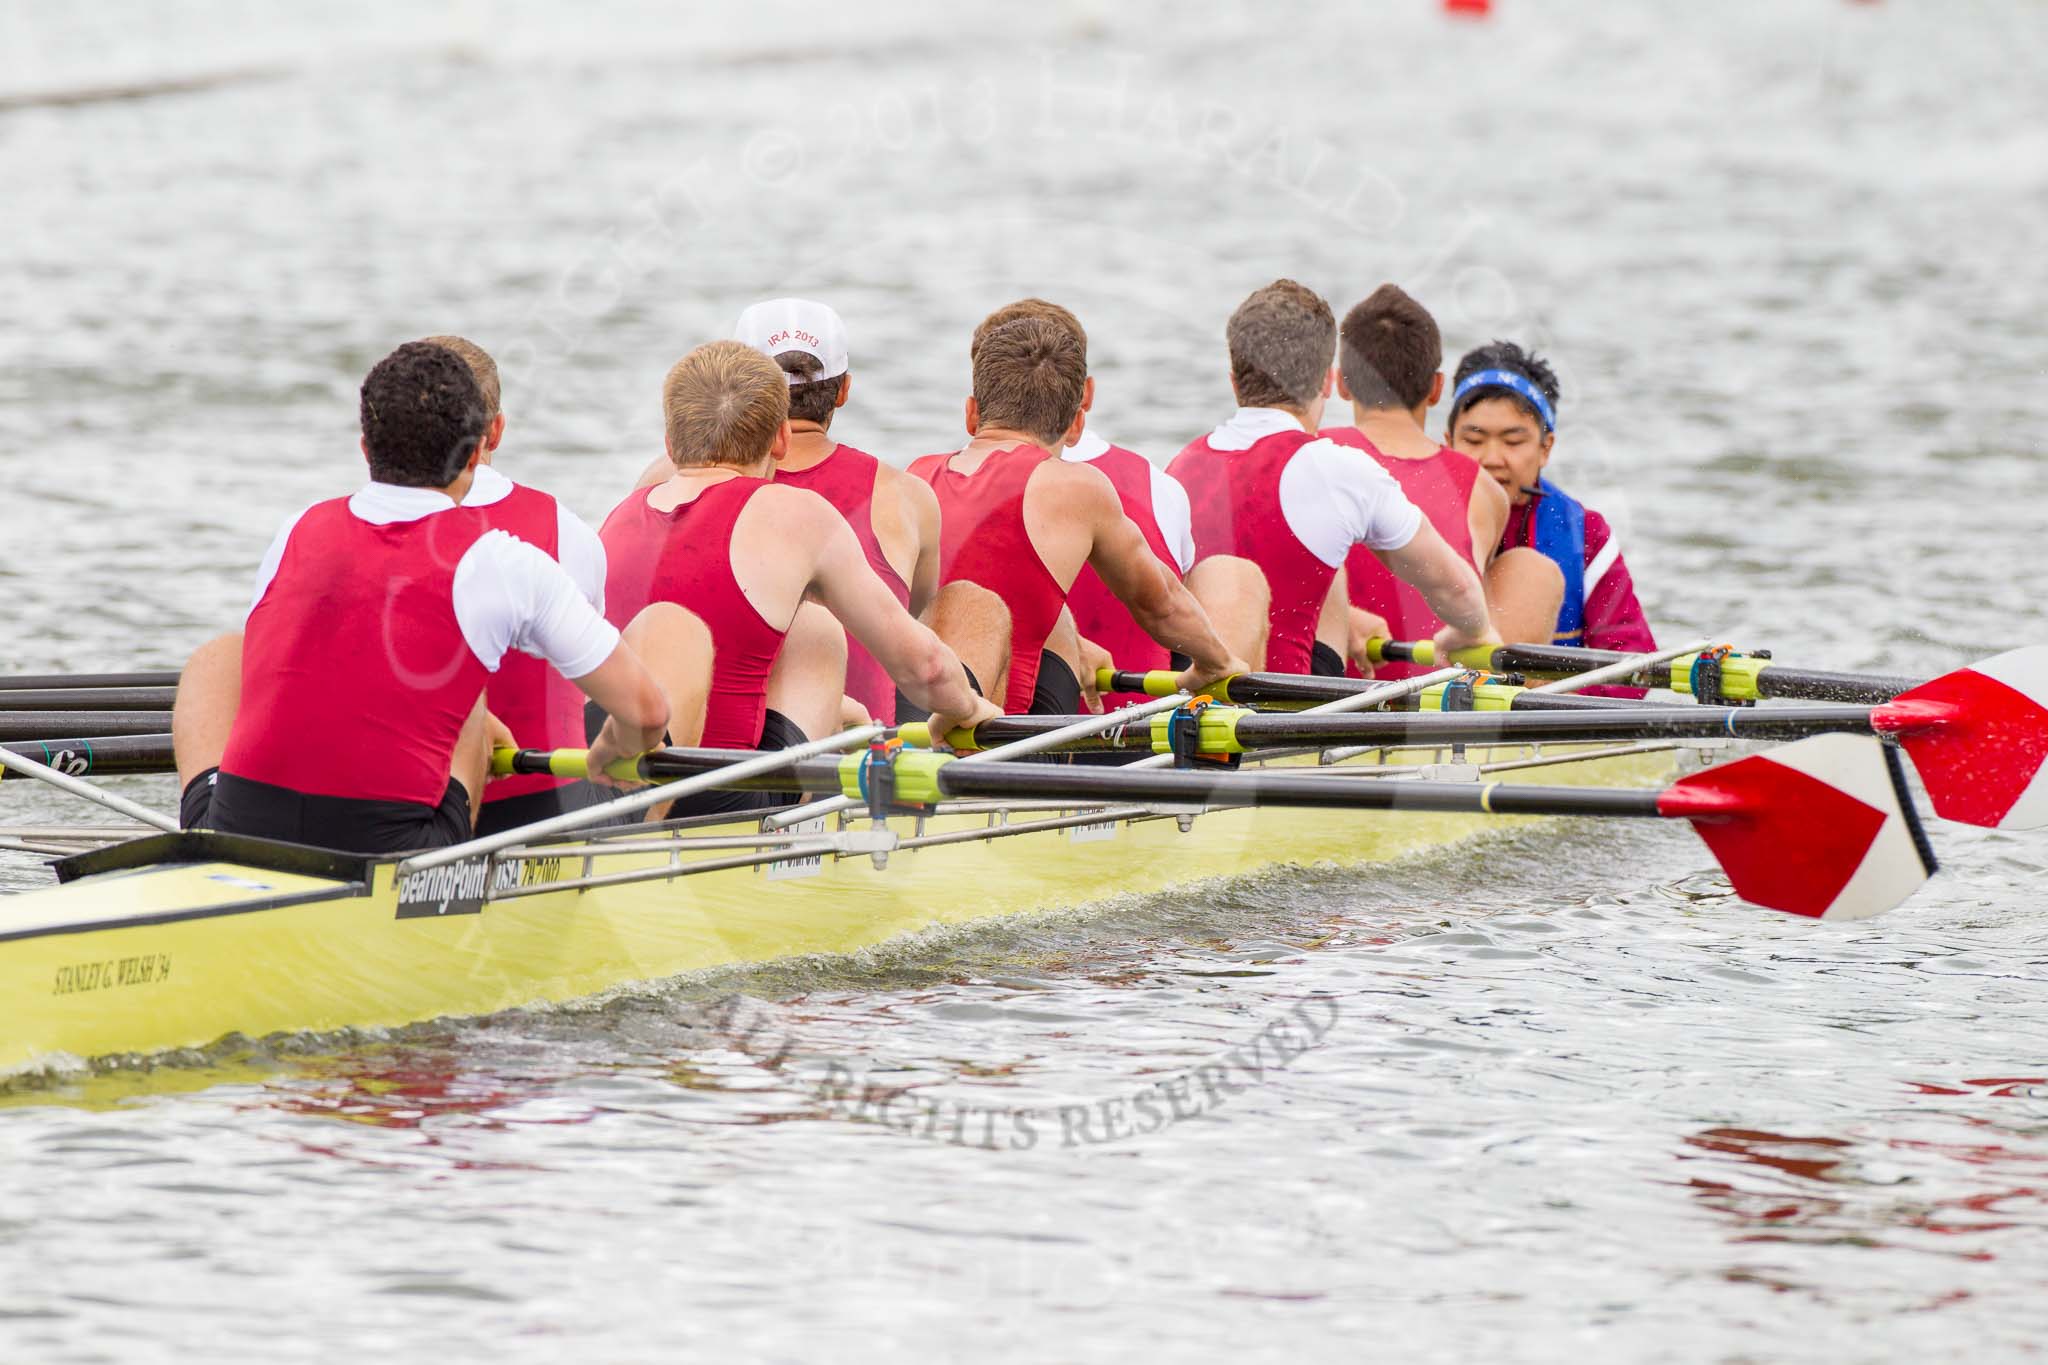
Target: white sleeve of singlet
(510, 595)
(274, 556)
(1334, 497)
(582, 554)
(1176, 521)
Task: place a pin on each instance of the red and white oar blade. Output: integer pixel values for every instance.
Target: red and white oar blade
(1979, 738)
(1822, 827)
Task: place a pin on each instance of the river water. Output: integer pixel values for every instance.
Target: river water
(1556, 1096)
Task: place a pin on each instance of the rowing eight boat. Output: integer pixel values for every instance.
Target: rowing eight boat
(178, 940)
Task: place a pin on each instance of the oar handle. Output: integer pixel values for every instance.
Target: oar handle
(560, 763)
(1157, 683)
(1424, 654)
(918, 735)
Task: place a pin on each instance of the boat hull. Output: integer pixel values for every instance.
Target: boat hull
(168, 955)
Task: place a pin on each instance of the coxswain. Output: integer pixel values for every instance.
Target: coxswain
(1266, 489)
(1017, 523)
(349, 712)
(746, 583)
(542, 709)
(1503, 413)
(1389, 358)
(1150, 497)
(894, 516)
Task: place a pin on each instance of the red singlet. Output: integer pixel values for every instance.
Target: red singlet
(542, 709)
(1098, 615)
(846, 479)
(1442, 487)
(982, 540)
(353, 663)
(1235, 499)
(684, 556)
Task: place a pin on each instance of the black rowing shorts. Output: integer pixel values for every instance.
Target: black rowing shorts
(777, 732)
(1325, 662)
(1057, 692)
(511, 812)
(227, 804)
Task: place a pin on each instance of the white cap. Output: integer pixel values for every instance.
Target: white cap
(796, 325)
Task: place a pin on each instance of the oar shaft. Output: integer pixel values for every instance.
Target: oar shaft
(1772, 679)
(23, 766)
(1813, 684)
(102, 755)
(1028, 781)
(1537, 718)
(21, 682)
(1246, 689)
(1540, 725)
(90, 699)
(26, 725)
(673, 765)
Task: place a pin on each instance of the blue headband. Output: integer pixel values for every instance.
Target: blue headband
(1516, 384)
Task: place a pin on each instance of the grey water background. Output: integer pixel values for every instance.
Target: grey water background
(1575, 1102)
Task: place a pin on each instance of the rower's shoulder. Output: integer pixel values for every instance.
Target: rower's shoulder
(782, 500)
(1485, 490)
(914, 492)
(1071, 477)
(904, 481)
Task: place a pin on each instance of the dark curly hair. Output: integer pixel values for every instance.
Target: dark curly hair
(422, 414)
(1504, 355)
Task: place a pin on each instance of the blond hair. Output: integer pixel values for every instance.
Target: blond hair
(480, 364)
(723, 402)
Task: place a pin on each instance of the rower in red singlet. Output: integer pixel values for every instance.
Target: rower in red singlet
(1389, 355)
(1150, 497)
(542, 709)
(1266, 490)
(894, 516)
(1504, 415)
(350, 711)
(729, 570)
(1017, 523)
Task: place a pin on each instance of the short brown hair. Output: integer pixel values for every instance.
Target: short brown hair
(810, 399)
(1281, 341)
(1029, 308)
(724, 403)
(1391, 350)
(480, 365)
(1030, 376)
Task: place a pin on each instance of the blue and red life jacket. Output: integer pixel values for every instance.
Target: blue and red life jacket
(1560, 536)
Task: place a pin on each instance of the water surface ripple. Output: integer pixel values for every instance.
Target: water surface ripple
(1557, 1096)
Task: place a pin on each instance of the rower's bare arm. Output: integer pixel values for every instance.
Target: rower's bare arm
(1487, 519)
(656, 472)
(928, 672)
(923, 504)
(635, 707)
(1447, 581)
(1158, 602)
